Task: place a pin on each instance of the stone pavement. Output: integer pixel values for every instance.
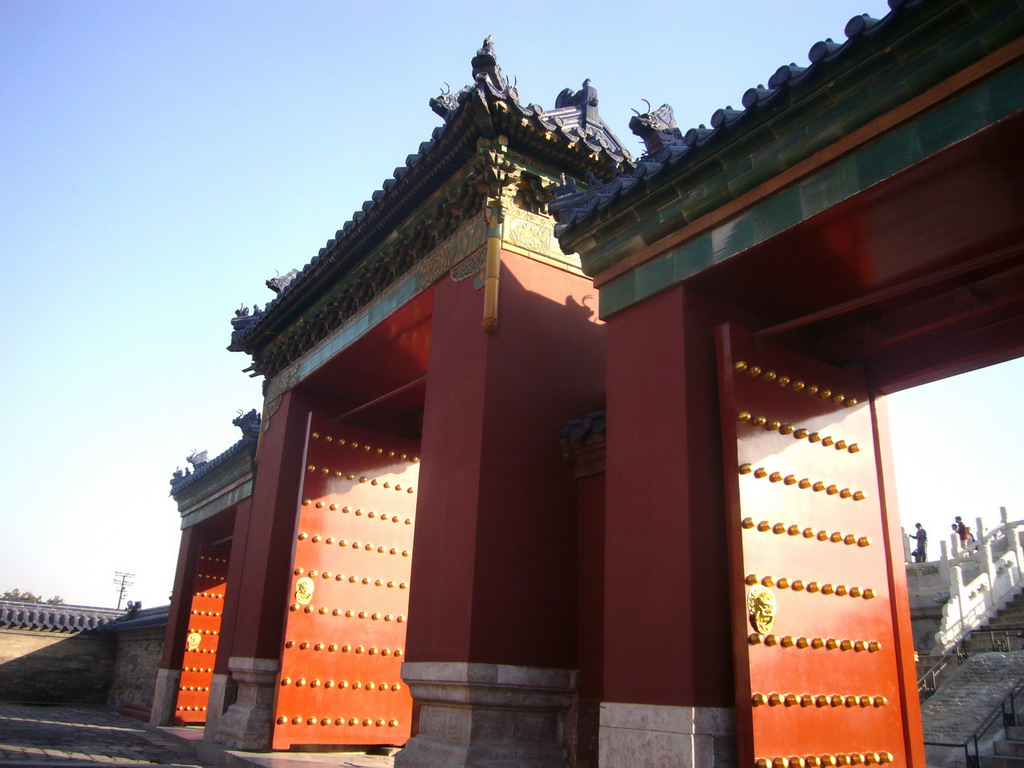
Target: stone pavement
(33, 735)
(69, 736)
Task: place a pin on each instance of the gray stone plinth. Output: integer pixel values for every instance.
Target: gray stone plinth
(649, 736)
(487, 715)
(165, 696)
(248, 721)
(223, 691)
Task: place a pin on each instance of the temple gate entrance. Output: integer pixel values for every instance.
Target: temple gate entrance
(208, 590)
(818, 647)
(345, 630)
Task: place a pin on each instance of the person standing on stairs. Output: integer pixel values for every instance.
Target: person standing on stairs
(921, 536)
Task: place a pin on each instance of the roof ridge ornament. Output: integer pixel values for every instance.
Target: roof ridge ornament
(447, 103)
(585, 99)
(249, 423)
(487, 80)
(487, 76)
(657, 128)
(485, 65)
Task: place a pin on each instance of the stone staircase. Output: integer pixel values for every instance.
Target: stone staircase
(979, 641)
(964, 702)
(1012, 615)
(1009, 752)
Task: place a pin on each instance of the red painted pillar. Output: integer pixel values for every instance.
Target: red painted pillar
(667, 635)
(494, 572)
(263, 547)
(181, 599)
(493, 594)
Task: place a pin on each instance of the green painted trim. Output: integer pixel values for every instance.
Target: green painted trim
(934, 42)
(396, 295)
(929, 134)
(219, 504)
(428, 270)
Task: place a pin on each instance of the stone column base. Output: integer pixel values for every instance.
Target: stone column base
(165, 696)
(223, 692)
(649, 736)
(487, 715)
(248, 721)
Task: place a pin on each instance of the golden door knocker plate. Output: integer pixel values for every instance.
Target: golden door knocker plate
(304, 590)
(193, 640)
(761, 607)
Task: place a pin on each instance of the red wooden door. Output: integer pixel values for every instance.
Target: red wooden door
(208, 591)
(345, 632)
(822, 657)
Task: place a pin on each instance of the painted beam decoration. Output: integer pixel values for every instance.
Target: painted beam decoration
(345, 633)
(819, 658)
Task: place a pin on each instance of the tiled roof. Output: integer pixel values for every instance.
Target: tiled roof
(19, 614)
(249, 424)
(143, 618)
(668, 146)
(572, 134)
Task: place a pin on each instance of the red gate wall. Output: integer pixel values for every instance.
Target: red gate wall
(820, 665)
(209, 587)
(345, 631)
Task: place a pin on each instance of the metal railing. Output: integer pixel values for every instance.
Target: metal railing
(999, 637)
(1006, 708)
(928, 683)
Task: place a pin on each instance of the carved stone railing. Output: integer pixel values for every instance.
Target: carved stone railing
(976, 582)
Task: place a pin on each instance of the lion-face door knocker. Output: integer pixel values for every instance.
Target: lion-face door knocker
(304, 590)
(193, 640)
(761, 609)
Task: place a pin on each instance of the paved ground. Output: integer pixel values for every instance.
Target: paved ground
(68, 736)
(43, 735)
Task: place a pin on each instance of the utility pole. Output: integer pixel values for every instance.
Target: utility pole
(122, 581)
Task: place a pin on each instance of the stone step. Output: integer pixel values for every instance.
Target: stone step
(1013, 608)
(999, 622)
(1012, 748)
(982, 643)
(1015, 732)
(1001, 761)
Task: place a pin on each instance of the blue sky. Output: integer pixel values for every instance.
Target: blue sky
(160, 160)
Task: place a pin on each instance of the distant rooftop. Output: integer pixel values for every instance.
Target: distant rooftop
(47, 617)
